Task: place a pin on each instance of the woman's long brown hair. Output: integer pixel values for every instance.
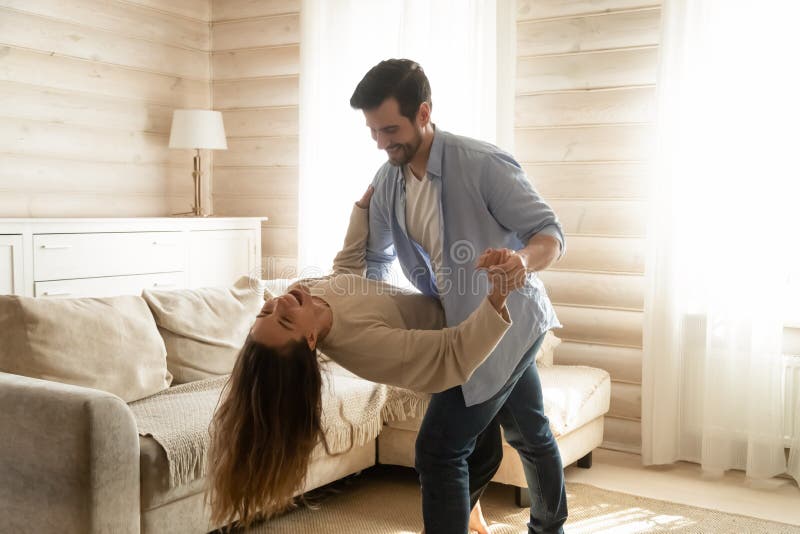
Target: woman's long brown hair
(263, 433)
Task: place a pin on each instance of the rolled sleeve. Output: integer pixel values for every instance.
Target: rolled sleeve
(514, 203)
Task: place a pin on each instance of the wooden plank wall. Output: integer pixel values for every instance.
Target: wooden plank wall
(87, 89)
(255, 73)
(586, 73)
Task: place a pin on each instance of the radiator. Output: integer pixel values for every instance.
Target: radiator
(791, 397)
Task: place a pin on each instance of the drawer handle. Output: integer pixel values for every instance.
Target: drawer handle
(156, 284)
(162, 244)
(55, 247)
(56, 294)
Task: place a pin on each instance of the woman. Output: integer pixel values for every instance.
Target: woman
(269, 421)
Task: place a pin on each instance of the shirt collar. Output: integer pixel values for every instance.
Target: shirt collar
(437, 151)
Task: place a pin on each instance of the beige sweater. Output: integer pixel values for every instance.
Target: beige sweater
(397, 337)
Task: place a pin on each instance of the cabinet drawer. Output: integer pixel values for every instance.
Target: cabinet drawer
(108, 286)
(62, 256)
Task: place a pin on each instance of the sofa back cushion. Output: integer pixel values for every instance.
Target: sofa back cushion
(205, 328)
(111, 344)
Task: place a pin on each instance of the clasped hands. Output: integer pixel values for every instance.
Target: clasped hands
(507, 270)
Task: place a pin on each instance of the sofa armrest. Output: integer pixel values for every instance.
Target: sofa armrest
(69, 459)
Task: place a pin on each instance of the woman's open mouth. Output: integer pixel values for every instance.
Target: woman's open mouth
(297, 295)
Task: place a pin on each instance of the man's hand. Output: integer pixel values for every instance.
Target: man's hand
(364, 202)
(506, 269)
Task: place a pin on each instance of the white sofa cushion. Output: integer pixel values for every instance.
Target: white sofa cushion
(111, 344)
(573, 396)
(204, 329)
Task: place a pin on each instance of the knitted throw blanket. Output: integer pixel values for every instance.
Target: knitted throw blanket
(403, 404)
(178, 419)
(351, 413)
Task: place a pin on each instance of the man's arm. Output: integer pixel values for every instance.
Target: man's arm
(514, 203)
(380, 252)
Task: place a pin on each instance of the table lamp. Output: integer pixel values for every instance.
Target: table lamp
(197, 129)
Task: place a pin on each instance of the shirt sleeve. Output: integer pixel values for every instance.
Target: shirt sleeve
(380, 252)
(515, 204)
(351, 259)
(436, 360)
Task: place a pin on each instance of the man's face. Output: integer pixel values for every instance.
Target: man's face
(394, 133)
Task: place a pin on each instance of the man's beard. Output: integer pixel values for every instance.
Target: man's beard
(407, 151)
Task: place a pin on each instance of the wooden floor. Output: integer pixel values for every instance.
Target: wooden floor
(775, 500)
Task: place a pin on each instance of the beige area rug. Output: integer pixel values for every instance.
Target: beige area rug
(385, 500)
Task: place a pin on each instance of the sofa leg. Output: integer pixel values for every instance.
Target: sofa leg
(586, 461)
(522, 497)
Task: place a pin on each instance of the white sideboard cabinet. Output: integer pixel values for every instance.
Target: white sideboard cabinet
(11, 265)
(53, 258)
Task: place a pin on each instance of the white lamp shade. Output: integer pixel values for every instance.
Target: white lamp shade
(197, 128)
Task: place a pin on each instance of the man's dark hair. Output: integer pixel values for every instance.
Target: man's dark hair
(402, 79)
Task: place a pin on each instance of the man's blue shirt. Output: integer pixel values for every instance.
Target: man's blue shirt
(486, 201)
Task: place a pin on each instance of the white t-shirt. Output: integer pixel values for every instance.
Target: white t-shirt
(423, 220)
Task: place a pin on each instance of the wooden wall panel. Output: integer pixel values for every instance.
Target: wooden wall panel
(42, 69)
(611, 142)
(589, 180)
(256, 33)
(544, 9)
(199, 10)
(601, 106)
(587, 70)
(282, 211)
(24, 101)
(78, 41)
(238, 64)
(124, 18)
(258, 152)
(626, 400)
(623, 434)
(264, 181)
(602, 254)
(585, 106)
(249, 9)
(256, 67)
(619, 29)
(23, 136)
(262, 122)
(601, 325)
(87, 89)
(602, 217)
(280, 241)
(22, 173)
(615, 291)
(256, 93)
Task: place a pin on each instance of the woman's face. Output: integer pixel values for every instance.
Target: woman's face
(286, 319)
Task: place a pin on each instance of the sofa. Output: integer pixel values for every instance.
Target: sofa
(75, 457)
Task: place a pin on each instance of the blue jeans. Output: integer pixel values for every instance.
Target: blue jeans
(447, 438)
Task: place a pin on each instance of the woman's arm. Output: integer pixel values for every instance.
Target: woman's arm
(352, 258)
(430, 361)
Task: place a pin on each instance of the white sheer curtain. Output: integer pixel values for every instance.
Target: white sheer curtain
(723, 236)
(453, 40)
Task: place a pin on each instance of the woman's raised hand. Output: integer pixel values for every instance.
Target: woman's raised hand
(364, 202)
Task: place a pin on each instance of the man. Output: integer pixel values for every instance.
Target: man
(438, 201)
